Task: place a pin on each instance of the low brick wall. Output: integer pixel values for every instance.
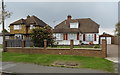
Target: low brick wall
(81, 52)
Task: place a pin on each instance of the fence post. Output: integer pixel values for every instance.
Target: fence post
(45, 44)
(104, 47)
(23, 43)
(71, 44)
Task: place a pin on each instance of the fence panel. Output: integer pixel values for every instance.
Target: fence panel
(28, 43)
(18, 43)
(14, 43)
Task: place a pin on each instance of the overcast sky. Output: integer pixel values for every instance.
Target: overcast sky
(103, 13)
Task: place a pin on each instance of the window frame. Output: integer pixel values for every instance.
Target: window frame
(74, 25)
(32, 26)
(17, 27)
(89, 37)
(59, 36)
(72, 36)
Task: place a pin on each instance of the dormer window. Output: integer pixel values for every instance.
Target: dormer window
(74, 25)
(17, 27)
(32, 26)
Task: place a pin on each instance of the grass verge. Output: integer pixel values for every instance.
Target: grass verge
(46, 59)
(0, 45)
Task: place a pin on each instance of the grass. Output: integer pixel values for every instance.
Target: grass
(48, 60)
(0, 45)
(81, 46)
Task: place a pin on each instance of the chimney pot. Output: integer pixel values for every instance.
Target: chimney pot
(69, 17)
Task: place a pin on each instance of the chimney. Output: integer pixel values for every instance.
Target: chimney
(69, 17)
(28, 16)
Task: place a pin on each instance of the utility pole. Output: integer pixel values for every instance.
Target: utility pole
(3, 26)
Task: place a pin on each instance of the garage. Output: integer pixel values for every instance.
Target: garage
(108, 37)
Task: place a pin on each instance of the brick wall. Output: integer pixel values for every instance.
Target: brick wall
(81, 52)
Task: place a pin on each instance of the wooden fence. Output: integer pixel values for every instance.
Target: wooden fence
(18, 43)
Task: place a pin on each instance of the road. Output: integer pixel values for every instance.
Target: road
(33, 68)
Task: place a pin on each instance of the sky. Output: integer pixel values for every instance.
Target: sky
(52, 13)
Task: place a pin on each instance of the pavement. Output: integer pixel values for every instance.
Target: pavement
(112, 53)
(11, 67)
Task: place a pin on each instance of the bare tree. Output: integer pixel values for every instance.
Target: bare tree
(7, 14)
(4, 14)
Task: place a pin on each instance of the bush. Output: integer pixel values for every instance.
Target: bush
(96, 46)
(40, 34)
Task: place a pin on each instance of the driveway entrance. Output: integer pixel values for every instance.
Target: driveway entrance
(112, 53)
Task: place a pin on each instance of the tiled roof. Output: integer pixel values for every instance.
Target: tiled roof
(30, 20)
(86, 25)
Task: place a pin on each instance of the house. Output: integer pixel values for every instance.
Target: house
(85, 30)
(21, 28)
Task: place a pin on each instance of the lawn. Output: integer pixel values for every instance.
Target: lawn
(79, 46)
(0, 45)
(48, 60)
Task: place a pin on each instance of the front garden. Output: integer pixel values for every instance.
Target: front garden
(77, 46)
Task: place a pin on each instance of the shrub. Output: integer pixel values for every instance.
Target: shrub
(96, 46)
(38, 36)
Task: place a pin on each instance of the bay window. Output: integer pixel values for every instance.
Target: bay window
(59, 36)
(72, 36)
(89, 37)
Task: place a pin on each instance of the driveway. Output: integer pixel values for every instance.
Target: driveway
(112, 53)
(33, 68)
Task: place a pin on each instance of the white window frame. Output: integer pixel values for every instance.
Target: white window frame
(32, 26)
(89, 37)
(59, 36)
(74, 25)
(72, 36)
(17, 27)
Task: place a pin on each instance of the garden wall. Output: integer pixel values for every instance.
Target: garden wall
(64, 51)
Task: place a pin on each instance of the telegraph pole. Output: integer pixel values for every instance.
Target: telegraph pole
(3, 26)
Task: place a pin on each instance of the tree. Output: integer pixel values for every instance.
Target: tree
(5, 31)
(38, 36)
(4, 14)
(117, 29)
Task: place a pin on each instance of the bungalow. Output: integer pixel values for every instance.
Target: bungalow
(21, 28)
(84, 30)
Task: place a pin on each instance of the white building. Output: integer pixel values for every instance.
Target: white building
(85, 30)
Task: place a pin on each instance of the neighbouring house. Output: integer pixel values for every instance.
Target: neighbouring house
(21, 28)
(109, 38)
(84, 30)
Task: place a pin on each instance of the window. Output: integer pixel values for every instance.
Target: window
(72, 36)
(74, 25)
(59, 36)
(89, 37)
(17, 27)
(32, 26)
